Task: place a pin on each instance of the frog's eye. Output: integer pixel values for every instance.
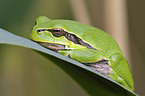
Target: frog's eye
(57, 32)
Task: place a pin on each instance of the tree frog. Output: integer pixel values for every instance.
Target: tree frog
(86, 44)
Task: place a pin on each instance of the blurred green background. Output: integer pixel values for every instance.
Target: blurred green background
(24, 72)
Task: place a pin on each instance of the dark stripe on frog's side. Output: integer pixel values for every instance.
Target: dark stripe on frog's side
(70, 37)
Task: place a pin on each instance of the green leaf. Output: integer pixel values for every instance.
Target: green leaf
(93, 82)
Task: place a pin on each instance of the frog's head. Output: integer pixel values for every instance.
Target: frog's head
(54, 35)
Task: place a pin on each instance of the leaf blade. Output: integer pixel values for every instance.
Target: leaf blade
(86, 77)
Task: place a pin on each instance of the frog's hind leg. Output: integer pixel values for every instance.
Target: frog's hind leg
(121, 68)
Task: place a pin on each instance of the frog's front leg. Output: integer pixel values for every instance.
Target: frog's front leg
(84, 55)
(90, 57)
(121, 70)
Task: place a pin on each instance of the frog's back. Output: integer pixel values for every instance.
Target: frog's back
(94, 36)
